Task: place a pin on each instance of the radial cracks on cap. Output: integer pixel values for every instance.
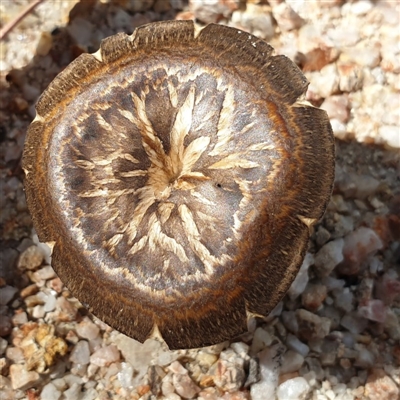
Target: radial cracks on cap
(171, 170)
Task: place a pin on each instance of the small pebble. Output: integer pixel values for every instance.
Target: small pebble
(358, 246)
(261, 339)
(86, 329)
(255, 19)
(313, 297)
(50, 303)
(50, 392)
(31, 258)
(21, 378)
(295, 344)
(44, 273)
(105, 356)
(344, 300)
(80, 353)
(228, 373)
(354, 323)
(15, 354)
(311, 326)
(330, 255)
(292, 362)
(125, 375)
(365, 359)
(293, 389)
(301, 280)
(211, 11)
(270, 360)
(286, 17)
(374, 310)
(73, 392)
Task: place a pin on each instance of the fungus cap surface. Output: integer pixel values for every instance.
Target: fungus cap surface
(177, 174)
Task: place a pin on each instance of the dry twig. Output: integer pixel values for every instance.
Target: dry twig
(8, 27)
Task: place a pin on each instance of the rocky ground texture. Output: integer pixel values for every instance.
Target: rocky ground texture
(336, 334)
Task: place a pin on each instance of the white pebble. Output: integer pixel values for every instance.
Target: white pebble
(292, 342)
(361, 7)
(71, 379)
(80, 353)
(38, 312)
(292, 361)
(92, 369)
(105, 356)
(270, 361)
(90, 394)
(240, 348)
(167, 386)
(330, 394)
(293, 389)
(125, 375)
(301, 280)
(261, 340)
(390, 135)
(50, 392)
(44, 274)
(330, 255)
(184, 386)
(86, 329)
(60, 384)
(112, 371)
(50, 304)
(73, 393)
(325, 82)
(344, 300)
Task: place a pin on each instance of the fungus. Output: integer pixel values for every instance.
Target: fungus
(177, 174)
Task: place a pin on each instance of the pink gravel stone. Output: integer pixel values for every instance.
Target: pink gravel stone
(374, 310)
(358, 246)
(313, 296)
(184, 386)
(21, 378)
(379, 386)
(86, 329)
(105, 356)
(388, 289)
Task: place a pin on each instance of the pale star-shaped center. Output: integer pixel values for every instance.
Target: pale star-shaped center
(168, 171)
(172, 170)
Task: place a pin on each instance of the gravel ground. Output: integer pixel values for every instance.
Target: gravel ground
(336, 334)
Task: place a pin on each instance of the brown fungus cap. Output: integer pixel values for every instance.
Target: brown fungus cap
(177, 174)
